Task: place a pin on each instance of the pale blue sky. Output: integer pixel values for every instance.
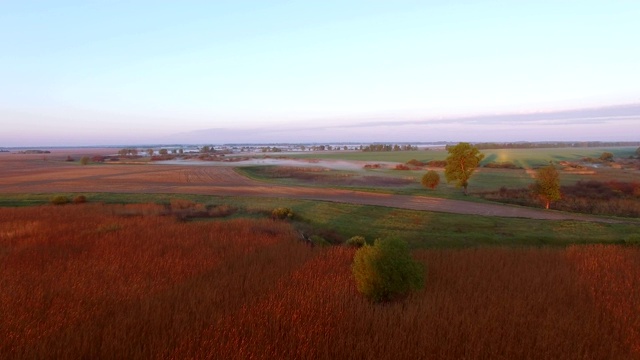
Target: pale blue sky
(119, 72)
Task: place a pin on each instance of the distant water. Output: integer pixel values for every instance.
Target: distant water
(330, 164)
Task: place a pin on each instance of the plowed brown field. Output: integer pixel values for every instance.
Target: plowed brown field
(50, 173)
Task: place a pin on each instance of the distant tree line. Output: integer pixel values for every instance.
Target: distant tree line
(128, 152)
(388, 147)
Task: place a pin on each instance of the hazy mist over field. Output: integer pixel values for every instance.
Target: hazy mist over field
(78, 73)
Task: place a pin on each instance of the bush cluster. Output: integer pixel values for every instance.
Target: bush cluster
(415, 162)
(402, 167)
(437, 163)
(590, 197)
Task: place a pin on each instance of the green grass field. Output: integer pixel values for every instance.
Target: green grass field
(523, 157)
(485, 179)
(420, 229)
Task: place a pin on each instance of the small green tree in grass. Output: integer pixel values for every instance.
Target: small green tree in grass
(431, 179)
(385, 270)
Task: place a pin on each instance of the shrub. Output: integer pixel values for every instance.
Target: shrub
(430, 180)
(402, 167)
(386, 271)
(281, 213)
(60, 200)
(437, 163)
(415, 162)
(356, 241)
(84, 160)
(80, 199)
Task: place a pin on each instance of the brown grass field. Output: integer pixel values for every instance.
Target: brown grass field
(50, 174)
(119, 281)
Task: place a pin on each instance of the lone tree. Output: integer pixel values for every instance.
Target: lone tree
(547, 185)
(84, 160)
(431, 179)
(385, 271)
(462, 161)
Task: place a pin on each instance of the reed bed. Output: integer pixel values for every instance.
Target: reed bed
(105, 281)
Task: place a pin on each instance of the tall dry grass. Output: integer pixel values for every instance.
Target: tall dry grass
(93, 281)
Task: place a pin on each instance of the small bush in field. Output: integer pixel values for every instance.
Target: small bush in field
(85, 160)
(60, 200)
(282, 213)
(402, 167)
(80, 199)
(356, 241)
(386, 271)
(430, 180)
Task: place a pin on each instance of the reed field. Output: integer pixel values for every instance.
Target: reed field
(131, 281)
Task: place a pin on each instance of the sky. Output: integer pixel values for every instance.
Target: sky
(140, 72)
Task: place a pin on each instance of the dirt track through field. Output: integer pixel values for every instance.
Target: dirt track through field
(225, 181)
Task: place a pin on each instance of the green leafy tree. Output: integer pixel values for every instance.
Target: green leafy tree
(385, 270)
(462, 161)
(547, 185)
(431, 179)
(84, 160)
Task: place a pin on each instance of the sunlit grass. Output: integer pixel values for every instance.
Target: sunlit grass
(419, 228)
